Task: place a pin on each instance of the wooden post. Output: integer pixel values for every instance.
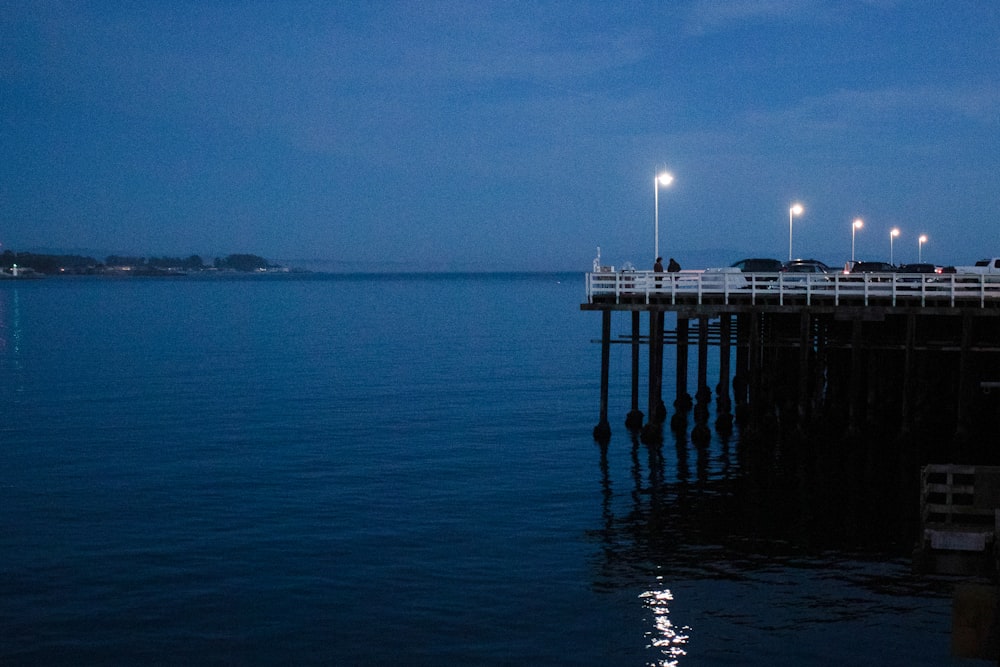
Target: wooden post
(964, 390)
(683, 399)
(854, 388)
(805, 348)
(754, 365)
(655, 366)
(909, 383)
(703, 356)
(725, 332)
(742, 359)
(602, 432)
(634, 419)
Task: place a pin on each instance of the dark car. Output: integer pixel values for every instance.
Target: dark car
(758, 265)
(917, 268)
(906, 270)
(873, 267)
(875, 271)
(805, 266)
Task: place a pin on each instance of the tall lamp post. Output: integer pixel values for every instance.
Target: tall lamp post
(796, 209)
(663, 178)
(855, 226)
(920, 247)
(892, 234)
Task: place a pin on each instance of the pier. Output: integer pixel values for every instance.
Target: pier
(904, 351)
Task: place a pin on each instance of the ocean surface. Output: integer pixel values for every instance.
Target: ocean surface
(400, 470)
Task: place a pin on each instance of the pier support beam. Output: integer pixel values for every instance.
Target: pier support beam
(602, 432)
(906, 411)
(703, 396)
(683, 400)
(634, 419)
(854, 388)
(652, 432)
(724, 417)
(754, 367)
(964, 392)
(805, 348)
(656, 413)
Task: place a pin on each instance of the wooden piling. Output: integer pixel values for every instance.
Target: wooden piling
(602, 432)
(634, 418)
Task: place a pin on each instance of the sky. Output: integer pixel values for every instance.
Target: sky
(501, 136)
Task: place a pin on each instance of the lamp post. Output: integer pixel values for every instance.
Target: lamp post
(920, 247)
(796, 209)
(855, 226)
(663, 178)
(892, 234)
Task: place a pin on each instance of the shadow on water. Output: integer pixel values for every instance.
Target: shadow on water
(761, 513)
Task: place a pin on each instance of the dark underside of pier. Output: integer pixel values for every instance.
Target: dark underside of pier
(927, 373)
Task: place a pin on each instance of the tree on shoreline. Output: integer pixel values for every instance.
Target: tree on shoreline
(76, 264)
(242, 262)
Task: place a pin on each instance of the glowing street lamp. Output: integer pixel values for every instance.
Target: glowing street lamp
(796, 209)
(855, 226)
(892, 234)
(920, 247)
(664, 179)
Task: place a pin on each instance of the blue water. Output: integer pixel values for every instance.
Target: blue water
(375, 470)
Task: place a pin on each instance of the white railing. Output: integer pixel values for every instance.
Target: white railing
(731, 287)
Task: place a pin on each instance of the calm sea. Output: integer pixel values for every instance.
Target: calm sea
(396, 470)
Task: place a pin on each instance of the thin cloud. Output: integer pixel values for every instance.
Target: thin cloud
(708, 16)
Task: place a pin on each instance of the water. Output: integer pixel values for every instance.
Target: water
(372, 470)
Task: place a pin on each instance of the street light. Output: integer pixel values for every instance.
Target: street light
(855, 226)
(920, 247)
(892, 234)
(664, 179)
(796, 209)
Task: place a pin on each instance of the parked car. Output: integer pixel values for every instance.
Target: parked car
(918, 268)
(808, 272)
(758, 265)
(989, 266)
(873, 267)
(876, 271)
(805, 266)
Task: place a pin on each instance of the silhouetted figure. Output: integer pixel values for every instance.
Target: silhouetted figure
(658, 267)
(673, 266)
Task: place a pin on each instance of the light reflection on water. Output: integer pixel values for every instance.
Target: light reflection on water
(665, 638)
(766, 553)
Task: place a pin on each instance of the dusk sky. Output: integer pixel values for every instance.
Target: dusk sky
(501, 136)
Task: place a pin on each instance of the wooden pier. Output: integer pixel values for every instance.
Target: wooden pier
(918, 351)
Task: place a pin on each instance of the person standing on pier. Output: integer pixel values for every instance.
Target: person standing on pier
(658, 267)
(673, 266)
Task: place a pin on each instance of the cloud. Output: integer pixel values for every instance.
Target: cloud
(708, 16)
